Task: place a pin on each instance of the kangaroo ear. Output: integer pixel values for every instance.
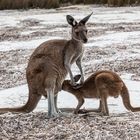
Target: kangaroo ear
(71, 20)
(77, 77)
(84, 20)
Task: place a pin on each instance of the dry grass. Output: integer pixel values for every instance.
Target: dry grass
(24, 4)
(81, 127)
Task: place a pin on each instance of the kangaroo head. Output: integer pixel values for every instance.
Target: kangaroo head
(79, 30)
(67, 83)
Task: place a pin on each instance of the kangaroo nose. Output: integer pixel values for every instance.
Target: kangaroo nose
(85, 40)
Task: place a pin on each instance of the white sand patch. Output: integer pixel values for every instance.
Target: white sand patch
(14, 45)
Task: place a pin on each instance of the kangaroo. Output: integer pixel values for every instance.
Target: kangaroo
(48, 66)
(100, 85)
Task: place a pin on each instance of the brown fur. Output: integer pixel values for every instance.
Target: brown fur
(49, 65)
(100, 85)
(45, 69)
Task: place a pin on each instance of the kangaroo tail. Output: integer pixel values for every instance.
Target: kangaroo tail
(28, 107)
(126, 100)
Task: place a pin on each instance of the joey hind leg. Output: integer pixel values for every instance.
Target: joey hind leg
(104, 106)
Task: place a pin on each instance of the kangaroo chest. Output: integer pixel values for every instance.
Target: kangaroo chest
(78, 53)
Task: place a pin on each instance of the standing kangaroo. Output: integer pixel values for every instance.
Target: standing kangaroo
(49, 65)
(100, 85)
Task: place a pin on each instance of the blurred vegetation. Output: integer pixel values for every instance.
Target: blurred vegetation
(24, 4)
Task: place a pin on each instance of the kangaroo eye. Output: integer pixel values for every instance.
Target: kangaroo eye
(86, 31)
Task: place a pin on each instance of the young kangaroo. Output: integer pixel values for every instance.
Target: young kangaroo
(100, 85)
(49, 65)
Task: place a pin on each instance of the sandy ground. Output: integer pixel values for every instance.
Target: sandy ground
(114, 35)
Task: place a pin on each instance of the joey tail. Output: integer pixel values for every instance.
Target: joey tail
(126, 100)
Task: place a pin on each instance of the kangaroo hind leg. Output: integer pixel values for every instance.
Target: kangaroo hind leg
(103, 102)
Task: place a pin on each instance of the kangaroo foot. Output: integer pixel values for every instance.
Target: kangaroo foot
(80, 111)
(54, 114)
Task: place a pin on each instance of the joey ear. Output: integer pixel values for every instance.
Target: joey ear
(71, 20)
(77, 77)
(84, 20)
